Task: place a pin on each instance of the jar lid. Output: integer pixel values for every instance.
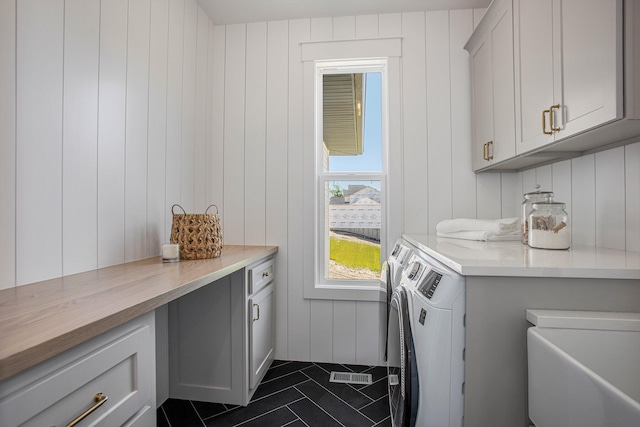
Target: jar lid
(539, 195)
(549, 205)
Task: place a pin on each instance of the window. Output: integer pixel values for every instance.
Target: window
(350, 172)
(326, 176)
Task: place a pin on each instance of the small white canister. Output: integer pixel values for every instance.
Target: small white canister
(549, 226)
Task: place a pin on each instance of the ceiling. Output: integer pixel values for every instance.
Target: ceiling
(244, 11)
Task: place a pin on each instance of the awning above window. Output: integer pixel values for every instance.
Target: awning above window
(343, 112)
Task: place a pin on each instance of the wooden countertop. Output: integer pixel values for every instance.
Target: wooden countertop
(41, 320)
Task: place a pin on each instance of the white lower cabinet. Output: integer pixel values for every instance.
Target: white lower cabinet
(221, 337)
(110, 379)
(261, 347)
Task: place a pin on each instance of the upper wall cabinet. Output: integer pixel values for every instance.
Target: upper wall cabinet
(568, 68)
(576, 67)
(491, 50)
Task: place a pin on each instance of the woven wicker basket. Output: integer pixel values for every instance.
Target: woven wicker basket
(199, 235)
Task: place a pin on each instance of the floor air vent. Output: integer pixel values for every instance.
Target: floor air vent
(350, 378)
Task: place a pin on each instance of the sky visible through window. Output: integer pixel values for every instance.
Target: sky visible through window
(371, 158)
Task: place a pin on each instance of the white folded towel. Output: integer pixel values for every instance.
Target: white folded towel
(479, 229)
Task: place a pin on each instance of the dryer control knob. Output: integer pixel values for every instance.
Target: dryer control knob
(415, 269)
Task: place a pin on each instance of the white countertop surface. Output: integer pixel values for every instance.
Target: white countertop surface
(513, 259)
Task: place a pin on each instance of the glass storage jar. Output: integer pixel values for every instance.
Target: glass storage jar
(529, 199)
(549, 226)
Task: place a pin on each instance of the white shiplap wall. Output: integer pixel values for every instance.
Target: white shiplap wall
(602, 193)
(110, 112)
(105, 122)
(262, 167)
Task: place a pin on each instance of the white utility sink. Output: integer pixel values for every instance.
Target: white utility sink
(584, 377)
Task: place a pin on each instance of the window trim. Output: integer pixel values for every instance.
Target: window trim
(389, 48)
(322, 288)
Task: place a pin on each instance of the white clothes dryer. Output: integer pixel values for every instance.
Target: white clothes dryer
(426, 346)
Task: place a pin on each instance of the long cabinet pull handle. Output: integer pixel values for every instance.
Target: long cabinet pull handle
(490, 150)
(257, 318)
(99, 400)
(553, 107)
(544, 122)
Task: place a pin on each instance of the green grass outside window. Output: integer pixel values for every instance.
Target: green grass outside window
(355, 255)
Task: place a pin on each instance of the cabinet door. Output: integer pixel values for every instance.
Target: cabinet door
(588, 47)
(261, 349)
(493, 91)
(503, 146)
(568, 54)
(482, 103)
(534, 71)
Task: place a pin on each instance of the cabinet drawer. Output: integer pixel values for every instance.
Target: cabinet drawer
(260, 276)
(119, 364)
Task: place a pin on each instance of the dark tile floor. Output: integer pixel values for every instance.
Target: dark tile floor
(293, 394)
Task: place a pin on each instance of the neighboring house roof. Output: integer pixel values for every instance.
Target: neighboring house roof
(364, 192)
(353, 189)
(365, 201)
(357, 195)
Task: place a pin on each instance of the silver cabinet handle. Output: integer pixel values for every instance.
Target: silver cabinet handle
(265, 274)
(257, 318)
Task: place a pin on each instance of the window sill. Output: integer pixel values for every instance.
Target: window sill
(373, 293)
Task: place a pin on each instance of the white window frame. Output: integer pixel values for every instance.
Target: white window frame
(322, 177)
(347, 57)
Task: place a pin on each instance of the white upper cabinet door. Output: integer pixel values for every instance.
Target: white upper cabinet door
(568, 68)
(534, 71)
(482, 104)
(503, 88)
(589, 85)
(491, 50)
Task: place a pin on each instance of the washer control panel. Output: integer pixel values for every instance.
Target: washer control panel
(400, 253)
(396, 249)
(430, 283)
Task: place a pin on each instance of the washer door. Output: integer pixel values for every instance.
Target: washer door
(401, 364)
(385, 277)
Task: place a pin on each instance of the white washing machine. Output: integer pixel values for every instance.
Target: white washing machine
(398, 260)
(426, 346)
(391, 272)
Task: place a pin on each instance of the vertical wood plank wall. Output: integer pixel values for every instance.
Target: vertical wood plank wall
(261, 136)
(110, 112)
(437, 180)
(104, 124)
(602, 193)
(7, 142)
